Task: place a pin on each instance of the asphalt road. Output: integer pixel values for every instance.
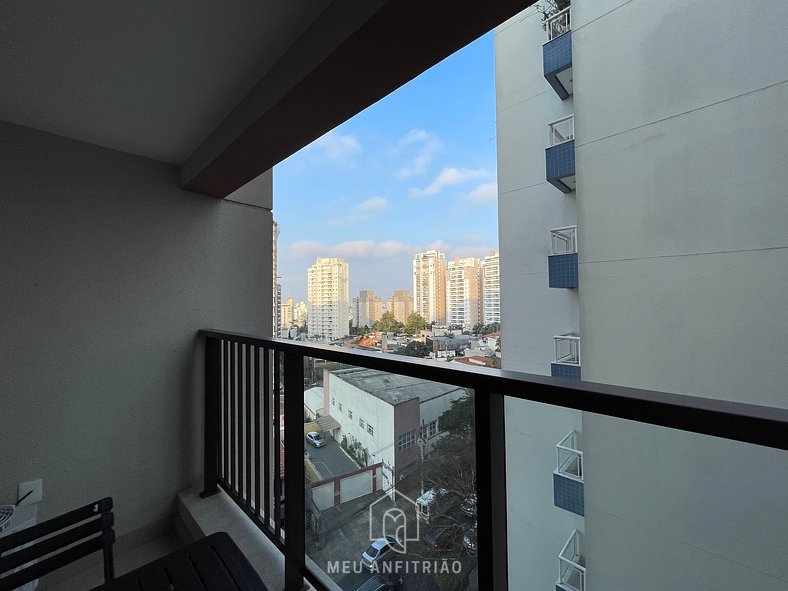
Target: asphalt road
(330, 460)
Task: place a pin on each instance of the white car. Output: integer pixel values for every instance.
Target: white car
(316, 438)
(378, 551)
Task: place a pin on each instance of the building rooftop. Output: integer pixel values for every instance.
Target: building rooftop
(392, 388)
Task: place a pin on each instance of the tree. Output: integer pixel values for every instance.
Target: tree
(388, 323)
(414, 349)
(478, 328)
(415, 323)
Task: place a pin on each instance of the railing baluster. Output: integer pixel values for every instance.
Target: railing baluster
(267, 390)
(226, 410)
(276, 445)
(248, 410)
(491, 490)
(233, 480)
(256, 422)
(295, 562)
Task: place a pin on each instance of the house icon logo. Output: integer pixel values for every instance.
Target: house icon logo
(394, 521)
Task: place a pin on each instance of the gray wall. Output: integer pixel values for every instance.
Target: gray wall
(531, 312)
(108, 271)
(681, 142)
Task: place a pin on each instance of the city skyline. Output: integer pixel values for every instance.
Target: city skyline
(417, 171)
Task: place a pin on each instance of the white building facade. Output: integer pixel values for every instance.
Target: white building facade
(328, 299)
(464, 292)
(491, 288)
(385, 414)
(429, 286)
(640, 173)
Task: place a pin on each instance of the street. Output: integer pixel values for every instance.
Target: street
(330, 460)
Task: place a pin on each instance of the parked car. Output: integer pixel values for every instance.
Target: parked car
(381, 583)
(378, 551)
(443, 537)
(469, 505)
(469, 541)
(316, 438)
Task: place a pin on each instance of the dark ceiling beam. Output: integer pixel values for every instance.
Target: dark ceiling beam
(350, 58)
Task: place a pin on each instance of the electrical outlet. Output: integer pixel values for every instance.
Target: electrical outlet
(36, 486)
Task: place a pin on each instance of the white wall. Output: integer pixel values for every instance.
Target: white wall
(531, 312)
(373, 410)
(108, 271)
(681, 142)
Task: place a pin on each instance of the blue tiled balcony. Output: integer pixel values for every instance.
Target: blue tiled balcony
(565, 370)
(560, 166)
(563, 270)
(568, 494)
(557, 62)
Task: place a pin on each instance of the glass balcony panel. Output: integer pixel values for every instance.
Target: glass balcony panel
(390, 479)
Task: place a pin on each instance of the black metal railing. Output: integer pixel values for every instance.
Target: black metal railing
(245, 376)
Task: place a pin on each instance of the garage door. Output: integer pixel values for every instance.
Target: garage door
(323, 496)
(355, 486)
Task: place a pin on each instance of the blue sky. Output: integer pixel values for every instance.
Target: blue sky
(414, 171)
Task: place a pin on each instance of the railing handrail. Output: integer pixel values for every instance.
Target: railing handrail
(564, 229)
(566, 337)
(738, 421)
(571, 540)
(564, 13)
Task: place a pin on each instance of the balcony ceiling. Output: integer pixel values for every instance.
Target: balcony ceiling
(224, 90)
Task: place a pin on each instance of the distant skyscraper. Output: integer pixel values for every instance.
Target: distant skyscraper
(400, 304)
(328, 298)
(464, 292)
(277, 289)
(287, 314)
(429, 286)
(491, 288)
(367, 308)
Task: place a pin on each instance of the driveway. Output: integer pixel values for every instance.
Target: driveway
(330, 460)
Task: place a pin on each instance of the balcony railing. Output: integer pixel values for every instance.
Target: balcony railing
(254, 436)
(569, 460)
(567, 348)
(571, 567)
(561, 130)
(558, 24)
(563, 240)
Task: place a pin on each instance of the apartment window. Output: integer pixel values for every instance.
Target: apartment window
(406, 440)
(350, 414)
(340, 407)
(370, 430)
(361, 423)
(432, 430)
(333, 401)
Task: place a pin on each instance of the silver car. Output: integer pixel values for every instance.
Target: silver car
(316, 438)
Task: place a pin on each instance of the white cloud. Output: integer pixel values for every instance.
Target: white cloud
(429, 145)
(354, 249)
(339, 149)
(448, 177)
(363, 211)
(440, 245)
(484, 194)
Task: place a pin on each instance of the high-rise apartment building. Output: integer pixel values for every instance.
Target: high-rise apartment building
(277, 289)
(491, 288)
(429, 286)
(464, 292)
(328, 298)
(400, 303)
(286, 316)
(641, 161)
(367, 308)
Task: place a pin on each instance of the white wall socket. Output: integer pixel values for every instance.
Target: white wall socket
(36, 496)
